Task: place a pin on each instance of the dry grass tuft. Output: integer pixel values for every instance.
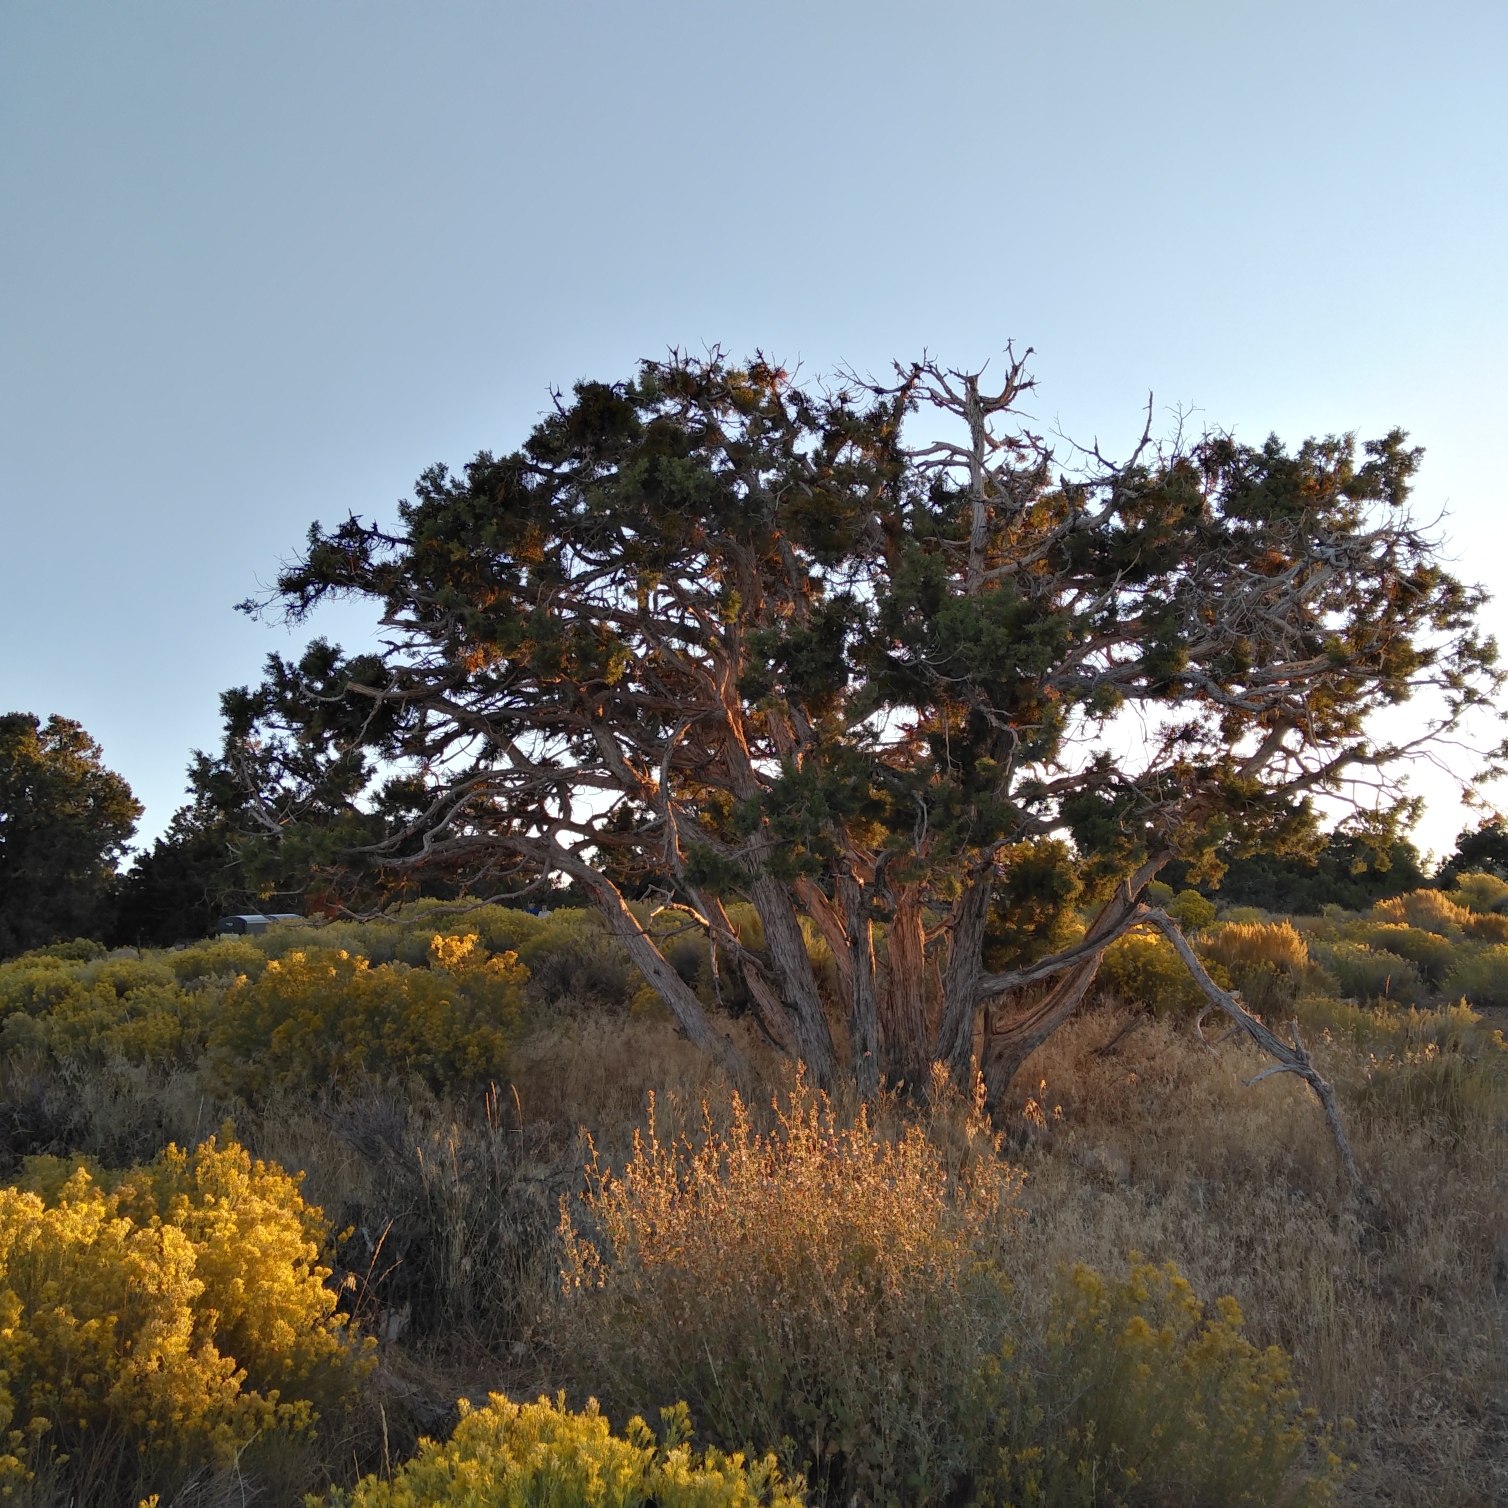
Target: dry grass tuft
(1430, 910)
(1240, 945)
(823, 1285)
(1401, 1326)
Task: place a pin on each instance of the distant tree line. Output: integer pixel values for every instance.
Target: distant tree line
(66, 822)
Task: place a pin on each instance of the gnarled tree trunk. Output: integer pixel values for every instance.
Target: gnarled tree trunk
(903, 1024)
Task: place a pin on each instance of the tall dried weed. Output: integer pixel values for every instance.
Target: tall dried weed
(819, 1285)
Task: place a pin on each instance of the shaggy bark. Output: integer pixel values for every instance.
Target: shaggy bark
(786, 945)
(961, 981)
(863, 1017)
(904, 1028)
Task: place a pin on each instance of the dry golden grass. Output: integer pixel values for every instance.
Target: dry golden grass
(1148, 1144)
(1400, 1324)
(598, 1070)
(823, 1285)
(1239, 944)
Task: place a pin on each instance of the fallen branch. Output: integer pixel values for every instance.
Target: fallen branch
(1290, 1059)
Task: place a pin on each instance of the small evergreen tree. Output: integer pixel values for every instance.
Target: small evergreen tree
(65, 821)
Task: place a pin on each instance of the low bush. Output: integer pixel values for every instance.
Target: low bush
(1244, 915)
(310, 1017)
(1361, 974)
(1138, 1398)
(1242, 945)
(1192, 911)
(179, 1309)
(1435, 955)
(1431, 910)
(1482, 978)
(325, 1014)
(1144, 969)
(542, 1455)
(1266, 961)
(1480, 892)
(825, 1287)
(1491, 927)
(569, 954)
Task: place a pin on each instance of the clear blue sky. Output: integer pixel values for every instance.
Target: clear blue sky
(261, 263)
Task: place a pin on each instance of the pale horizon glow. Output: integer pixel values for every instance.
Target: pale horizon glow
(260, 265)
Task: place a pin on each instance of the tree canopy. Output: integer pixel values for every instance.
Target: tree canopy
(1482, 849)
(65, 820)
(874, 659)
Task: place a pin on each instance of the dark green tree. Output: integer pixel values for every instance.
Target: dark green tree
(1480, 850)
(268, 826)
(714, 633)
(1347, 871)
(65, 821)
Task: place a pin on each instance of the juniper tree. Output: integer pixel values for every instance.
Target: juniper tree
(711, 634)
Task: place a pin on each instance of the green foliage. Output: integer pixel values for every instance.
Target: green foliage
(1138, 1399)
(1481, 978)
(1034, 907)
(1142, 968)
(542, 1455)
(64, 822)
(179, 1308)
(1345, 872)
(1483, 850)
(1191, 911)
(1365, 975)
(825, 1287)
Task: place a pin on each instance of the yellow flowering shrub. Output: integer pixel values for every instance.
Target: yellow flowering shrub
(1143, 968)
(132, 1008)
(310, 1016)
(1140, 1398)
(217, 958)
(819, 1285)
(542, 1455)
(321, 1013)
(179, 1306)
